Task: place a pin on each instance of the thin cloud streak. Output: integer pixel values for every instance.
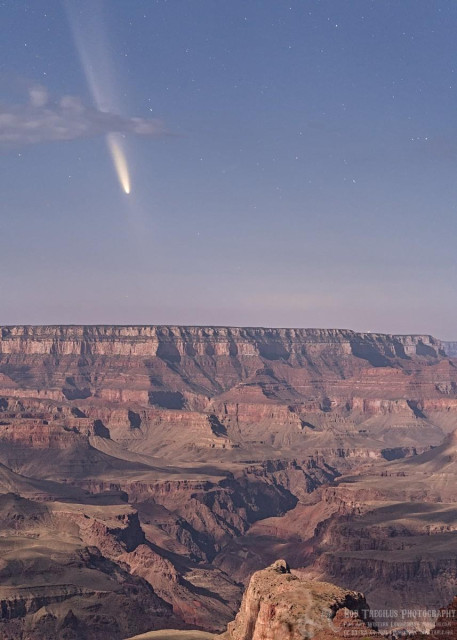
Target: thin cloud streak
(69, 119)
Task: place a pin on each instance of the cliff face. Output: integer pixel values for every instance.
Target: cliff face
(232, 341)
(224, 386)
(176, 367)
(450, 348)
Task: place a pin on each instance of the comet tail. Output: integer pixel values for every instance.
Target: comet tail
(119, 161)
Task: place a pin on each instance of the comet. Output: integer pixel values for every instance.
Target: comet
(92, 45)
(114, 144)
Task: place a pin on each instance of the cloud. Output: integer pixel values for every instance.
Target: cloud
(38, 96)
(68, 119)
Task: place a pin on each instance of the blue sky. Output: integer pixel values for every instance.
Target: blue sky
(300, 169)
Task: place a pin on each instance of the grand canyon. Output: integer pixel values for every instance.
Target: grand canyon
(158, 478)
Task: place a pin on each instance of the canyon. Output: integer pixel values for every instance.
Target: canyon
(147, 473)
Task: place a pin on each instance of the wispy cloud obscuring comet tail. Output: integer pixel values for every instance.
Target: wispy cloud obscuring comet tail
(67, 119)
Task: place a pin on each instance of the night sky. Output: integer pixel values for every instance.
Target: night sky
(289, 163)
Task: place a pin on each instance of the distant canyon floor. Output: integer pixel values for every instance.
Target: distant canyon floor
(147, 472)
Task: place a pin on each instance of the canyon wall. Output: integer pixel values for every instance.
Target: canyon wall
(206, 450)
(147, 340)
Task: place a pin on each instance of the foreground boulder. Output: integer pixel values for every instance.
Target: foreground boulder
(279, 605)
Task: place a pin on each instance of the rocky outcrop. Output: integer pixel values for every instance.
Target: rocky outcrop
(278, 604)
(446, 623)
